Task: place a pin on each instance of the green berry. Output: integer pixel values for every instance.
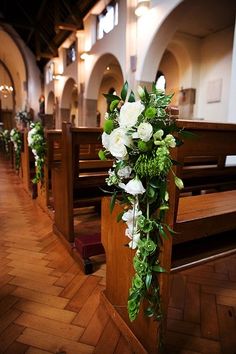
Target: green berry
(108, 126)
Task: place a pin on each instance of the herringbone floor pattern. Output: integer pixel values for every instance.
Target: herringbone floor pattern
(47, 305)
(202, 311)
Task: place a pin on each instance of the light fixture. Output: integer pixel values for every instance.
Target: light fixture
(57, 76)
(84, 55)
(6, 90)
(142, 7)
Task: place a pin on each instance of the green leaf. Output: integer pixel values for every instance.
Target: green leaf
(162, 233)
(157, 268)
(101, 155)
(171, 231)
(164, 207)
(113, 200)
(150, 192)
(124, 91)
(154, 89)
(131, 97)
(111, 97)
(148, 280)
(119, 216)
(108, 126)
(114, 104)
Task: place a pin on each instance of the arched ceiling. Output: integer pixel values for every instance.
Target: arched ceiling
(44, 24)
(204, 17)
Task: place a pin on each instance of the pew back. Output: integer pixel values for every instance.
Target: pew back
(211, 139)
(199, 216)
(77, 177)
(53, 155)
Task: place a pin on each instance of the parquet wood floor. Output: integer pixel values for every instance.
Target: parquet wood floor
(47, 305)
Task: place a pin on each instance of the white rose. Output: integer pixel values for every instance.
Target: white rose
(105, 140)
(124, 172)
(129, 114)
(145, 131)
(134, 187)
(118, 140)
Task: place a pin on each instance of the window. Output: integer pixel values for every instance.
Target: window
(107, 20)
(50, 73)
(71, 54)
(160, 81)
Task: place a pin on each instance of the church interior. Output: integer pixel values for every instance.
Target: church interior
(115, 114)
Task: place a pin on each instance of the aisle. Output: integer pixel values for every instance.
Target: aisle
(47, 305)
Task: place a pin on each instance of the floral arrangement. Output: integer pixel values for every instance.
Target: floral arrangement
(24, 116)
(140, 134)
(5, 137)
(16, 138)
(37, 143)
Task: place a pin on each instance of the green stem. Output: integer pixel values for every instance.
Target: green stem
(148, 211)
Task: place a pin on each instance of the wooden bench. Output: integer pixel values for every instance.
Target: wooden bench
(53, 156)
(193, 217)
(76, 180)
(208, 173)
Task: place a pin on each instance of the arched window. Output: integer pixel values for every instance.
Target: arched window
(160, 81)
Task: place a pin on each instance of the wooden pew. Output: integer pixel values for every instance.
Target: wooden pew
(193, 217)
(208, 173)
(53, 155)
(76, 180)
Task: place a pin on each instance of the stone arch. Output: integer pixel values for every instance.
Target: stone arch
(16, 65)
(176, 64)
(50, 103)
(106, 74)
(69, 102)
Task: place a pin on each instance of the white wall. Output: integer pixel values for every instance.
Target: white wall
(113, 43)
(216, 57)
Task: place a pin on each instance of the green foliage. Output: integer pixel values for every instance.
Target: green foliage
(16, 138)
(140, 138)
(5, 138)
(37, 143)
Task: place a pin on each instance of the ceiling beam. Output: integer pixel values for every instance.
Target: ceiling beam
(66, 27)
(78, 20)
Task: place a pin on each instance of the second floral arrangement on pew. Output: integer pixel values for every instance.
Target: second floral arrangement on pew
(37, 143)
(140, 134)
(24, 117)
(16, 139)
